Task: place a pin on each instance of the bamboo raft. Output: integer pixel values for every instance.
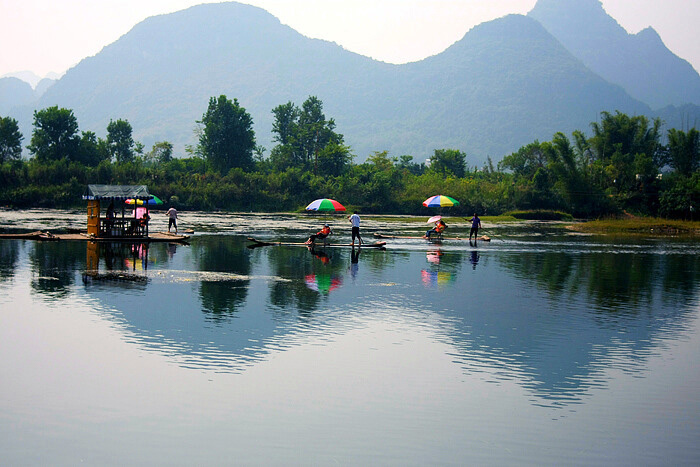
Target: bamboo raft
(48, 236)
(483, 238)
(257, 243)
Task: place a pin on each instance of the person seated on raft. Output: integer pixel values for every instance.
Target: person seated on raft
(320, 235)
(144, 220)
(110, 216)
(439, 228)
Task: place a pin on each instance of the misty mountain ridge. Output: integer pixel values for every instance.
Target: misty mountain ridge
(16, 92)
(640, 63)
(505, 84)
(32, 78)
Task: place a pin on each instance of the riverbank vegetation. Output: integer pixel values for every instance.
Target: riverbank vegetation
(639, 225)
(627, 164)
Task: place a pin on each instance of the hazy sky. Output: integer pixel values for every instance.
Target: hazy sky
(45, 36)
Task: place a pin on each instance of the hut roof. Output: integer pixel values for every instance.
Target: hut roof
(117, 192)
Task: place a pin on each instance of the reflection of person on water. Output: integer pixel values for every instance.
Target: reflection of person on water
(474, 259)
(439, 228)
(354, 262)
(320, 235)
(322, 255)
(476, 224)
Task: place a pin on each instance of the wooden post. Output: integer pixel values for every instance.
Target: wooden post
(93, 220)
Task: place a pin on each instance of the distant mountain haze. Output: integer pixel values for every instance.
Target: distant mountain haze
(505, 84)
(14, 92)
(31, 77)
(640, 63)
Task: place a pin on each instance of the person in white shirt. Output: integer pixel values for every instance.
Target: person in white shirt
(172, 219)
(355, 221)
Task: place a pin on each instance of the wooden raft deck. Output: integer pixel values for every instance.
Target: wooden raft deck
(47, 236)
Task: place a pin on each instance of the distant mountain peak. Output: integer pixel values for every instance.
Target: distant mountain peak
(27, 76)
(575, 13)
(640, 63)
(507, 83)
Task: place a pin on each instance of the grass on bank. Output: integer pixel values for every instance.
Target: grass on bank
(626, 226)
(639, 225)
(511, 216)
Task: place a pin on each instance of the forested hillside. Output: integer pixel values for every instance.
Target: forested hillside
(505, 83)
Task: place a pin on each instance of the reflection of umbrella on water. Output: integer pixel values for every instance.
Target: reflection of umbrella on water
(323, 283)
(433, 278)
(434, 256)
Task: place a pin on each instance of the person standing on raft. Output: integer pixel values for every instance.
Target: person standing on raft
(172, 219)
(355, 221)
(476, 224)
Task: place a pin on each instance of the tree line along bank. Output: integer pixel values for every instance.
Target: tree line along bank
(627, 164)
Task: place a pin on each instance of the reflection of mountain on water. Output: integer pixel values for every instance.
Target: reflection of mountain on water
(54, 274)
(306, 269)
(561, 320)
(553, 321)
(215, 312)
(222, 255)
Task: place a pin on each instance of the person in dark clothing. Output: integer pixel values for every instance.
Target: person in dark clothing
(476, 224)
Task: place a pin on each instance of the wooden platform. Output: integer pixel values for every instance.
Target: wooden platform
(47, 236)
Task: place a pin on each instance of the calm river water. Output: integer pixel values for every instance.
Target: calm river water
(539, 348)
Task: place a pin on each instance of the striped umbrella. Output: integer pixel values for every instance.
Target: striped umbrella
(139, 202)
(325, 204)
(439, 201)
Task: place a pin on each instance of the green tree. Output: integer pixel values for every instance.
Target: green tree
(449, 162)
(10, 139)
(526, 161)
(568, 174)
(333, 159)
(91, 149)
(120, 140)
(684, 150)
(285, 125)
(161, 152)
(619, 144)
(625, 135)
(314, 131)
(380, 161)
(55, 135)
(305, 137)
(406, 163)
(227, 139)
